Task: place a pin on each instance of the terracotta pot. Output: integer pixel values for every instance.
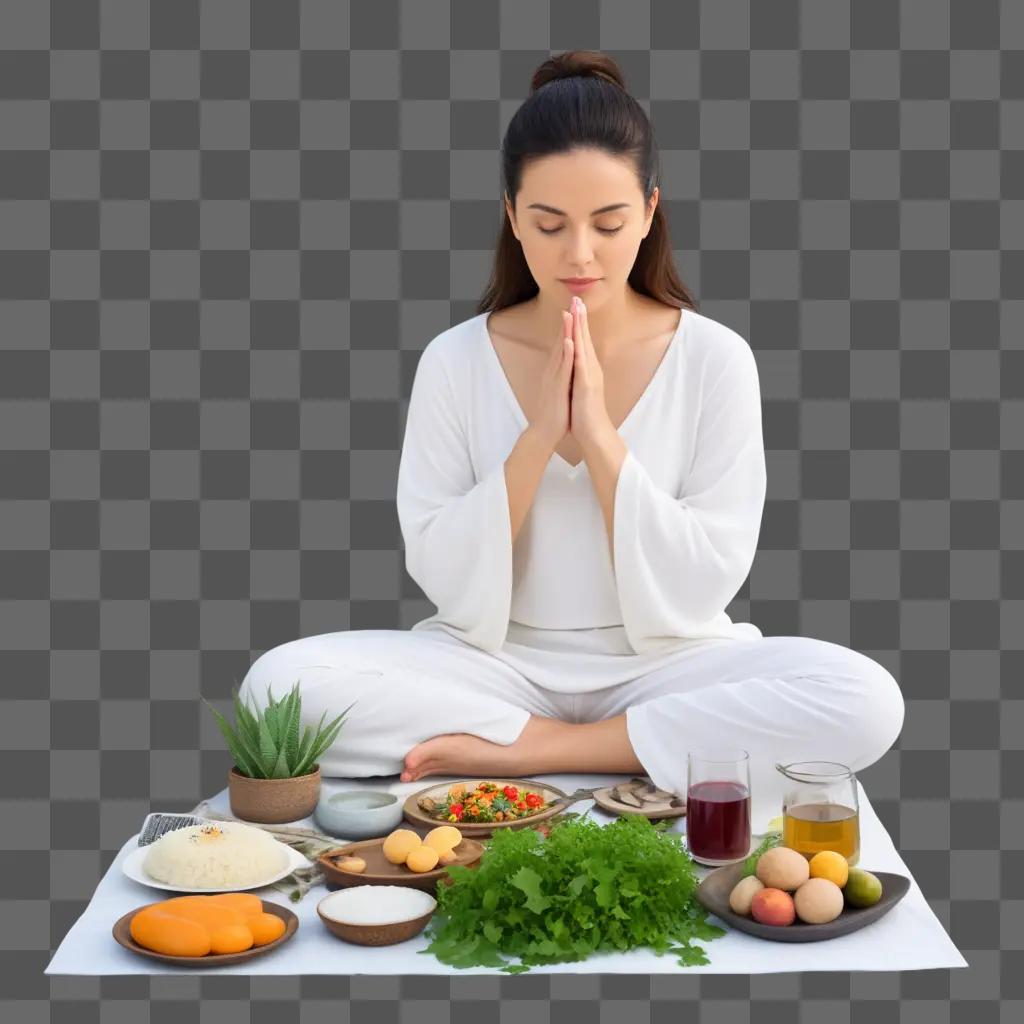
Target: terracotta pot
(273, 801)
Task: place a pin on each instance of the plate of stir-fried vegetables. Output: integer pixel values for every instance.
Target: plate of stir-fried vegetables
(478, 806)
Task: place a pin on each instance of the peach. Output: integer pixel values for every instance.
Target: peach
(772, 906)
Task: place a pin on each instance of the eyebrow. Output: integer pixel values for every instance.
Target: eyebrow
(594, 213)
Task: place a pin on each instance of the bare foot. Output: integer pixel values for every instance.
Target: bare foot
(544, 745)
(459, 753)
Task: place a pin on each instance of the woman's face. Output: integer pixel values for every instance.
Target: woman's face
(580, 214)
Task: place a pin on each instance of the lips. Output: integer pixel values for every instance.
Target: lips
(579, 280)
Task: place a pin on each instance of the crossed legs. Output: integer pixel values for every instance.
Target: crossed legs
(780, 698)
(432, 705)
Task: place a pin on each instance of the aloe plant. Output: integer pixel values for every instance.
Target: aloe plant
(266, 744)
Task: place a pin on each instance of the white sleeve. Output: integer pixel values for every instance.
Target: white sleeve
(457, 530)
(679, 560)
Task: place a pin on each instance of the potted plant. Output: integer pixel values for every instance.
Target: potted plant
(276, 775)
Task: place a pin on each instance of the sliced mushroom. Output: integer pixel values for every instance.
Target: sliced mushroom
(427, 804)
(626, 796)
(657, 796)
(652, 798)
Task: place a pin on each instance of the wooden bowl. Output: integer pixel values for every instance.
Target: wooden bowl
(123, 935)
(380, 871)
(375, 934)
(713, 893)
(483, 829)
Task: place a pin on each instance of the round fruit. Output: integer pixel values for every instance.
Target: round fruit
(742, 893)
(831, 865)
(863, 889)
(444, 837)
(772, 906)
(782, 868)
(399, 844)
(423, 858)
(818, 901)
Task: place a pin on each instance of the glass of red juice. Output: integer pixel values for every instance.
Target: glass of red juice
(718, 805)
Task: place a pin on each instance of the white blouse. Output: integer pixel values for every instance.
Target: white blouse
(686, 520)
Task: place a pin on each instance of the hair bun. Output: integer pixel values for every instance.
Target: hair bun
(578, 63)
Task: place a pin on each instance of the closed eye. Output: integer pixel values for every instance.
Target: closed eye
(604, 231)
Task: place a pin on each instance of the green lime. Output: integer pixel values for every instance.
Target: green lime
(862, 888)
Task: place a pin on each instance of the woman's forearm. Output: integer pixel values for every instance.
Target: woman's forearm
(604, 456)
(524, 469)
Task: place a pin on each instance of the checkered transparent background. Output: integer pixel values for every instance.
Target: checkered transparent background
(228, 229)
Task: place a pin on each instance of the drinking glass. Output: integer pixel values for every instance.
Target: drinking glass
(718, 805)
(820, 810)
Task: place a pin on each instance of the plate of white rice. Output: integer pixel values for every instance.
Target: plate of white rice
(213, 857)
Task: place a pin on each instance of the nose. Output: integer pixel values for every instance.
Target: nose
(579, 251)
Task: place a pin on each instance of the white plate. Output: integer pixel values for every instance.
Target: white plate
(132, 866)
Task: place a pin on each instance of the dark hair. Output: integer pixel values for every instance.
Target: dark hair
(579, 99)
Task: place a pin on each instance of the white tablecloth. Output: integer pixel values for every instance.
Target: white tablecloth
(909, 937)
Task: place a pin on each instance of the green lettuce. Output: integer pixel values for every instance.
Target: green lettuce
(584, 889)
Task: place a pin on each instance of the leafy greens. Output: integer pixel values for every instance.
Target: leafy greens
(586, 888)
(750, 864)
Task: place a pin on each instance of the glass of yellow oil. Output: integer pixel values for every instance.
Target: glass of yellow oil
(820, 810)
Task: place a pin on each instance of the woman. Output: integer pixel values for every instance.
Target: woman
(580, 494)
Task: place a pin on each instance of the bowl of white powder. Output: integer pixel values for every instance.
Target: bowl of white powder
(376, 915)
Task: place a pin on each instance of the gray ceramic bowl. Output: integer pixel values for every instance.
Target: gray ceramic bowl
(358, 813)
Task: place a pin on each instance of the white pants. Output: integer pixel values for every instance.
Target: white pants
(782, 699)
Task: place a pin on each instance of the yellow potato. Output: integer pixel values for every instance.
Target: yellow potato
(423, 858)
(444, 837)
(447, 857)
(399, 843)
